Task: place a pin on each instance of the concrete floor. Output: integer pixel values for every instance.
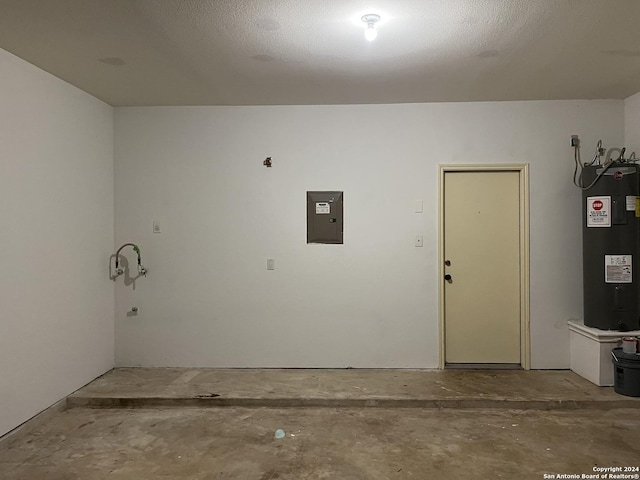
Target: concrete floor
(562, 425)
(347, 388)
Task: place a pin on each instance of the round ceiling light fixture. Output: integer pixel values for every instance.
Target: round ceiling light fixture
(370, 19)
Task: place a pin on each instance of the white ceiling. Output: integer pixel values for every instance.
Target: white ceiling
(264, 52)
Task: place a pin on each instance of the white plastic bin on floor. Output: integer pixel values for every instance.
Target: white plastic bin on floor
(590, 351)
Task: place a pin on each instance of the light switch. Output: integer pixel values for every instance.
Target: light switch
(417, 208)
(419, 241)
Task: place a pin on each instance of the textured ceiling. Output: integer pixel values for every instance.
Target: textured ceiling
(264, 52)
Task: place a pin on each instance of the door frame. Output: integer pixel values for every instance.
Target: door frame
(523, 174)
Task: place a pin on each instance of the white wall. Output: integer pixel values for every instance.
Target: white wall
(198, 171)
(372, 302)
(632, 124)
(56, 212)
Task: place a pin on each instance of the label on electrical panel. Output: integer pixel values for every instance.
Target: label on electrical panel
(598, 211)
(631, 203)
(617, 269)
(323, 208)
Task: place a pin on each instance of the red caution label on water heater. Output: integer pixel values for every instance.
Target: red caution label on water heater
(598, 211)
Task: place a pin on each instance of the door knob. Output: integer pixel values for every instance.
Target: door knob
(448, 278)
(447, 263)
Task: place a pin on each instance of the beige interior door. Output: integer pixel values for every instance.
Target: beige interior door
(481, 217)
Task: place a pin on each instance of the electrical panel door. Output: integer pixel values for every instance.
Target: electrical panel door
(324, 217)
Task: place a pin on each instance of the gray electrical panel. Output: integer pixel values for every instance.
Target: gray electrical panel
(611, 246)
(324, 217)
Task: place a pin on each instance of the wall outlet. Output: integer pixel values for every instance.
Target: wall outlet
(156, 227)
(271, 264)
